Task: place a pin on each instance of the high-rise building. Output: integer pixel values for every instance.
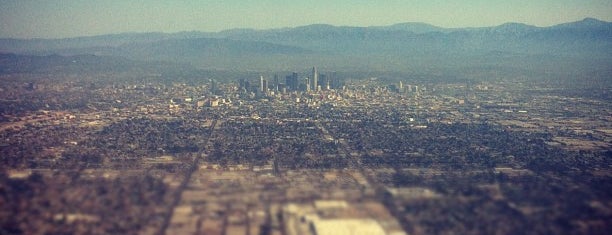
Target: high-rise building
(315, 79)
(334, 81)
(323, 81)
(276, 83)
(213, 86)
(243, 85)
(292, 82)
(262, 84)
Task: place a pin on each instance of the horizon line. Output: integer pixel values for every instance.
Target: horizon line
(298, 26)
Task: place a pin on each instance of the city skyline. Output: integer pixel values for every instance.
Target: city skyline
(62, 19)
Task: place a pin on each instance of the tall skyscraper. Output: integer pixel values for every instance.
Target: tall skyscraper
(276, 83)
(335, 81)
(292, 82)
(324, 82)
(262, 85)
(315, 79)
(213, 86)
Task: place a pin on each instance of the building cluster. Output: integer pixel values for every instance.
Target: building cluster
(313, 82)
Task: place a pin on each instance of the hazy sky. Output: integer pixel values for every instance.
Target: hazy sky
(68, 18)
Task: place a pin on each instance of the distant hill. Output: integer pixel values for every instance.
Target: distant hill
(398, 46)
(415, 27)
(13, 63)
(587, 36)
(204, 47)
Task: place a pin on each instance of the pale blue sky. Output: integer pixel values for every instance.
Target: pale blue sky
(68, 18)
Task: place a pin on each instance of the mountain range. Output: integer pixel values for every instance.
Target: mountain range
(396, 47)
